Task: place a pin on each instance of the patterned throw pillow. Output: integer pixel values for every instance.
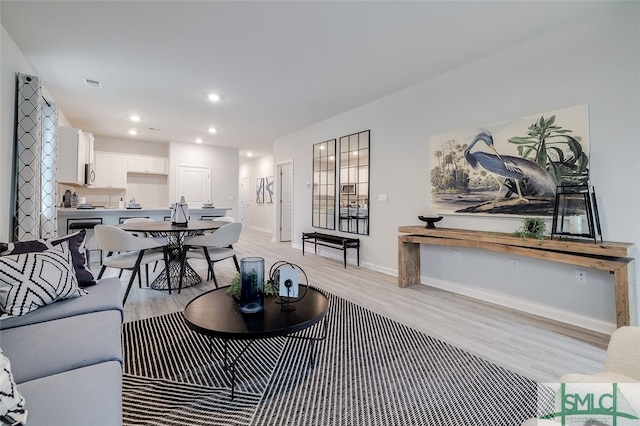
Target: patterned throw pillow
(76, 245)
(12, 410)
(31, 280)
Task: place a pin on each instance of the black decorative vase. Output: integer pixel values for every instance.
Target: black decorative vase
(251, 285)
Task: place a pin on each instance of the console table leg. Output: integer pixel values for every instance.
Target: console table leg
(625, 300)
(408, 263)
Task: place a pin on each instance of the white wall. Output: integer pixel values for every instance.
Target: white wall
(224, 171)
(12, 61)
(260, 215)
(594, 61)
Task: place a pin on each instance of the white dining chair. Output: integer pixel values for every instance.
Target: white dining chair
(131, 252)
(224, 219)
(139, 234)
(213, 248)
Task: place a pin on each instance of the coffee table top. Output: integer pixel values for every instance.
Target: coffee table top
(217, 314)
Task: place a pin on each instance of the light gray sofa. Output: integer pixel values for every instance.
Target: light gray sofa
(67, 358)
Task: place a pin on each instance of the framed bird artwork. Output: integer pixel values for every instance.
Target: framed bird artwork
(512, 167)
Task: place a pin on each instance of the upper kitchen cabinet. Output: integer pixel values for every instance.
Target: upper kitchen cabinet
(147, 164)
(75, 156)
(111, 170)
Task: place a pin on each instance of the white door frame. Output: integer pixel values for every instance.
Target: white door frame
(277, 235)
(245, 200)
(207, 183)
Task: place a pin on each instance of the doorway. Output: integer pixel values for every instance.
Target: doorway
(194, 183)
(285, 201)
(245, 197)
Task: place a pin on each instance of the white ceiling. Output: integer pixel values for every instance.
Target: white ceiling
(279, 66)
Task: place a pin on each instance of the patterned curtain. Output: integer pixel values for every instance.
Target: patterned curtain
(48, 224)
(35, 157)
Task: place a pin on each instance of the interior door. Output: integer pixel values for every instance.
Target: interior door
(286, 201)
(194, 183)
(245, 197)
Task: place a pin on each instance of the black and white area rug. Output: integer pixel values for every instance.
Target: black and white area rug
(369, 371)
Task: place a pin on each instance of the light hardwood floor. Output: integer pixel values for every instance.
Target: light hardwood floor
(535, 347)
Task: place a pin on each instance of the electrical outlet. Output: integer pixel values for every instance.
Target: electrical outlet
(515, 265)
(581, 276)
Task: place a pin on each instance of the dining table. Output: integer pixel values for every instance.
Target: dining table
(175, 235)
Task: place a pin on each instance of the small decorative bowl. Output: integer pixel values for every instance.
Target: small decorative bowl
(430, 220)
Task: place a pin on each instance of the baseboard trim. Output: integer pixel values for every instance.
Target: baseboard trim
(523, 305)
(352, 259)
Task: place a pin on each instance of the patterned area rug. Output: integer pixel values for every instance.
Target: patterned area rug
(369, 371)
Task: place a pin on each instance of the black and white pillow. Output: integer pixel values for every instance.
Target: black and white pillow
(76, 245)
(12, 411)
(31, 280)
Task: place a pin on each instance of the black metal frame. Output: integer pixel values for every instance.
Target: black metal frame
(329, 208)
(353, 196)
(587, 195)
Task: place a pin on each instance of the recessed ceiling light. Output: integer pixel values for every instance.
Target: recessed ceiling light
(198, 140)
(214, 97)
(133, 132)
(135, 118)
(212, 130)
(249, 154)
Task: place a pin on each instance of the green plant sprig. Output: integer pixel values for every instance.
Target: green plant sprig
(234, 289)
(532, 227)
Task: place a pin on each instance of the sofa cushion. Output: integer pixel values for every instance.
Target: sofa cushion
(106, 295)
(86, 396)
(12, 409)
(76, 242)
(51, 347)
(31, 280)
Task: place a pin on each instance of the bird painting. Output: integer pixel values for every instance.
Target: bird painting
(505, 168)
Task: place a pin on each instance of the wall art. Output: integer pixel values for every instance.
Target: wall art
(268, 189)
(512, 167)
(260, 190)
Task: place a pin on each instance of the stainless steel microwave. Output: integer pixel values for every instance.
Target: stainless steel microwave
(89, 174)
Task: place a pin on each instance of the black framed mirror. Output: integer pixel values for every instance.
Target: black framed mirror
(354, 183)
(324, 185)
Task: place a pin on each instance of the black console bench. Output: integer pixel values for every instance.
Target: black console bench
(333, 241)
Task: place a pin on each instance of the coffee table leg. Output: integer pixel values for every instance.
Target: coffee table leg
(226, 365)
(312, 343)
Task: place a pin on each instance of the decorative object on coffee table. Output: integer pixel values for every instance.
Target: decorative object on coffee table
(234, 288)
(288, 277)
(251, 285)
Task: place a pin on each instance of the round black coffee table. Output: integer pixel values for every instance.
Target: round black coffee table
(217, 314)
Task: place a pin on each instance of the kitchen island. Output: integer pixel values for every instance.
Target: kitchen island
(115, 216)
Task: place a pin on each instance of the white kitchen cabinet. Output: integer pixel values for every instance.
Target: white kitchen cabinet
(147, 164)
(111, 170)
(73, 152)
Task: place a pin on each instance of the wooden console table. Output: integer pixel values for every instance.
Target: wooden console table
(608, 256)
